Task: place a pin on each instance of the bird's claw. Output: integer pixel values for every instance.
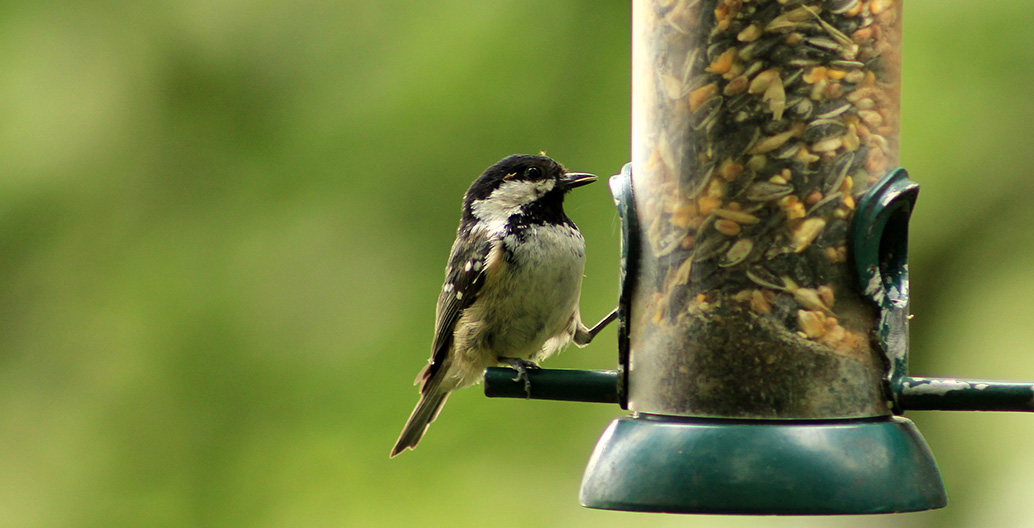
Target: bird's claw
(522, 366)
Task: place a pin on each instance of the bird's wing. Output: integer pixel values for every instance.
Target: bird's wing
(464, 278)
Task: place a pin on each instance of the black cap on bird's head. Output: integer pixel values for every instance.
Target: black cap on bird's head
(518, 181)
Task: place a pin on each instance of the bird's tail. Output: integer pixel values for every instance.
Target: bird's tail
(426, 411)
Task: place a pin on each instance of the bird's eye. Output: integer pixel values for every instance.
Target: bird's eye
(533, 173)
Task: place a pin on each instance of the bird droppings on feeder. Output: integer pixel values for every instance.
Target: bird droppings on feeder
(944, 386)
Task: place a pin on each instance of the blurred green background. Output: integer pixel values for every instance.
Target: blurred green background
(223, 227)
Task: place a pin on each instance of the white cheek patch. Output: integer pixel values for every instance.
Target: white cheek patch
(508, 199)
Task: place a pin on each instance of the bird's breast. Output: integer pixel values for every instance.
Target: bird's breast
(535, 297)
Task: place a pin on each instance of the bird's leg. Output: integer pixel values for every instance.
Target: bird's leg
(583, 335)
(522, 366)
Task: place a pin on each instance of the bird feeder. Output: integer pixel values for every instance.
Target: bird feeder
(763, 314)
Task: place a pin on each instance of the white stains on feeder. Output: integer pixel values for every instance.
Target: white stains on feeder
(940, 387)
(874, 288)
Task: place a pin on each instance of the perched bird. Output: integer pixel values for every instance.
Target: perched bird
(511, 286)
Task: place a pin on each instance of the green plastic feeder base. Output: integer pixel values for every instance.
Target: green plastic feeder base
(679, 465)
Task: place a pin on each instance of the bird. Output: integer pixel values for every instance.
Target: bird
(512, 284)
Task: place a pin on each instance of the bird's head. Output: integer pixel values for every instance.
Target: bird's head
(521, 185)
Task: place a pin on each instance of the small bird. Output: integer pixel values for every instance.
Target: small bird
(511, 285)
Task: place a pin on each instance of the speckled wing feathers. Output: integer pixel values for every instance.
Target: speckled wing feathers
(464, 278)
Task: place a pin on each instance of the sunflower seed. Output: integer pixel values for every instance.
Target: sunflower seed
(765, 191)
(820, 129)
(737, 253)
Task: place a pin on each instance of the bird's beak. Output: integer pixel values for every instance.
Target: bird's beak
(577, 179)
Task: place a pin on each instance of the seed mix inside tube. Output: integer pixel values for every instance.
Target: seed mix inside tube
(757, 124)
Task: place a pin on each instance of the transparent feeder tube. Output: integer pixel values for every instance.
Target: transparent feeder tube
(756, 126)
